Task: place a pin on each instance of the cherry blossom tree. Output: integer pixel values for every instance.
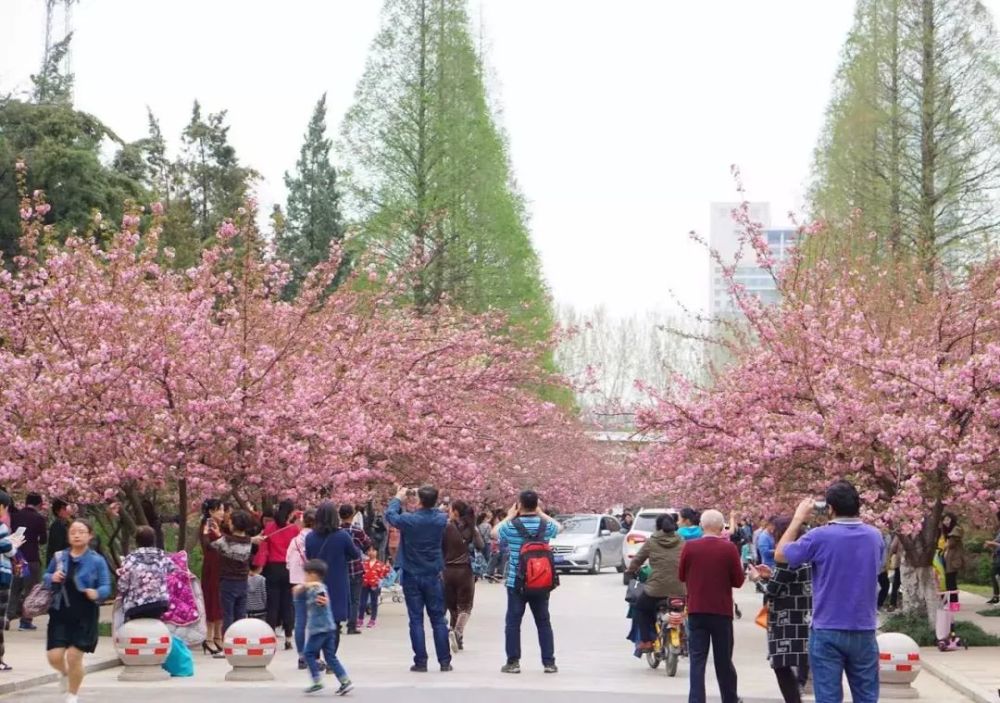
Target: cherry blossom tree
(874, 372)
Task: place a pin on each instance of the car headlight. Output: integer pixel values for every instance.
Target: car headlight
(581, 551)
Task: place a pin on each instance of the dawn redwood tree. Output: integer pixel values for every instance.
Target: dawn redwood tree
(863, 372)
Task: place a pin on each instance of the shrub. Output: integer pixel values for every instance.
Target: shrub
(990, 612)
(921, 631)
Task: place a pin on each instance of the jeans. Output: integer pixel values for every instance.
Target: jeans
(279, 597)
(539, 604)
(300, 607)
(20, 588)
(369, 601)
(234, 601)
(426, 592)
(706, 629)
(327, 643)
(353, 605)
(832, 653)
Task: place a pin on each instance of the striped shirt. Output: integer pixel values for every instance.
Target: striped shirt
(509, 534)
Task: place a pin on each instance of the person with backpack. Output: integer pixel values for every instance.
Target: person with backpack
(462, 540)
(531, 577)
(421, 560)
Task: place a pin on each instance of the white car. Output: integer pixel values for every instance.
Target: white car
(591, 542)
(643, 528)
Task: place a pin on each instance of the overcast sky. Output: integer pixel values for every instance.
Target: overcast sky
(624, 116)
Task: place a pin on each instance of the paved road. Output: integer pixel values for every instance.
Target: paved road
(594, 660)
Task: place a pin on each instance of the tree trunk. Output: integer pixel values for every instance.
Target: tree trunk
(927, 243)
(182, 512)
(920, 591)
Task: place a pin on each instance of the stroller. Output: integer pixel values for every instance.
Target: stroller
(390, 586)
(944, 625)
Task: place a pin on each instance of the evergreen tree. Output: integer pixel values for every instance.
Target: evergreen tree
(912, 138)
(51, 84)
(431, 175)
(313, 220)
(209, 175)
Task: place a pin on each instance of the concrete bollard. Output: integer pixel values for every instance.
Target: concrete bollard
(250, 645)
(143, 645)
(898, 665)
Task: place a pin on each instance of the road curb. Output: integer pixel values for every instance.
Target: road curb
(45, 679)
(956, 681)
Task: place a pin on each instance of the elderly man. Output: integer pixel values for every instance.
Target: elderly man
(711, 568)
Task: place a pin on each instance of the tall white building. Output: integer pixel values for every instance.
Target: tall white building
(724, 237)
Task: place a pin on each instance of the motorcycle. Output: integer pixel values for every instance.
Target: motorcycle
(671, 643)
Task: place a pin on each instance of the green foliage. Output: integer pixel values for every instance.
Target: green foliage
(51, 85)
(921, 631)
(430, 172)
(990, 612)
(313, 220)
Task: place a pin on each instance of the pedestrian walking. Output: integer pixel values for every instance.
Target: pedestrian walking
(462, 539)
(789, 612)
(234, 568)
(35, 534)
(421, 559)
(321, 629)
(295, 558)
(213, 514)
(335, 548)
(371, 585)
(8, 547)
(846, 556)
(766, 544)
(271, 559)
(58, 538)
(527, 531)
(355, 567)
(143, 578)
(80, 581)
(711, 569)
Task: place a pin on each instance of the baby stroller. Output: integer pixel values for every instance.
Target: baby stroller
(944, 625)
(390, 586)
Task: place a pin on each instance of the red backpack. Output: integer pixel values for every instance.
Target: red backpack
(536, 568)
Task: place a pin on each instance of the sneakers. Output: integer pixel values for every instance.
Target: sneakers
(63, 683)
(302, 664)
(419, 668)
(361, 623)
(345, 688)
(72, 698)
(315, 687)
(453, 638)
(461, 643)
(27, 627)
(371, 623)
(993, 601)
(645, 647)
(551, 668)
(445, 668)
(511, 667)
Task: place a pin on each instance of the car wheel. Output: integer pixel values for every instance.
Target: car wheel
(596, 568)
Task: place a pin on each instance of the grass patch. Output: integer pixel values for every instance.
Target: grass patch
(979, 590)
(921, 631)
(104, 629)
(990, 612)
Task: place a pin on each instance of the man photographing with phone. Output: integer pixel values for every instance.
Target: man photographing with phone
(846, 557)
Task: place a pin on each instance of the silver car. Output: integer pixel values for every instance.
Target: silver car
(589, 542)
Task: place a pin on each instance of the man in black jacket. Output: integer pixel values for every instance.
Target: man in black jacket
(33, 522)
(59, 530)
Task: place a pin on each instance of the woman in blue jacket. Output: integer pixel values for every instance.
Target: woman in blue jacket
(335, 547)
(80, 581)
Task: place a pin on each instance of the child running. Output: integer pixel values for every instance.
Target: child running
(371, 589)
(321, 632)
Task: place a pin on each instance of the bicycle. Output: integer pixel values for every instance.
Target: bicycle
(670, 643)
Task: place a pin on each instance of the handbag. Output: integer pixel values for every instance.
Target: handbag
(761, 618)
(38, 601)
(635, 590)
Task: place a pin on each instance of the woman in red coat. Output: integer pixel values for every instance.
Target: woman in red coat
(212, 515)
(272, 559)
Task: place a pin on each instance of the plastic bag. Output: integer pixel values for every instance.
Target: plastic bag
(180, 661)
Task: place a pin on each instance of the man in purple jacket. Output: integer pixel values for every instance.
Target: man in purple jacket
(35, 534)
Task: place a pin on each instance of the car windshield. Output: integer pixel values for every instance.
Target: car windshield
(580, 526)
(645, 522)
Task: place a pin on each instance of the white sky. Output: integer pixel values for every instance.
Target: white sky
(624, 116)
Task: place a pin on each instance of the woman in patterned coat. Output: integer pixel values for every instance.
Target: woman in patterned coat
(789, 612)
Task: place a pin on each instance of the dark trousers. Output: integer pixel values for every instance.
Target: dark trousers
(459, 591)
(20, 589)
(790, 682)
(951, 584)
(4, 597)
(883, 587)
(369, 601)
(280, 610)
(354, 604)
(426, 592)
(715, 630)
(897, 582)
(996, 579)
(539, 604)
(233, 594)
(645, 616)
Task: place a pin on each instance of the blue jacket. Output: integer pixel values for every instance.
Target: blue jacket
(90, 570)
(422, 534)
(337, 550)
(6, 552)
(319, 618)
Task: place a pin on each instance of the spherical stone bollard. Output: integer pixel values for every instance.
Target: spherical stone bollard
(143, 645)
(899, 664)
(250, 645)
